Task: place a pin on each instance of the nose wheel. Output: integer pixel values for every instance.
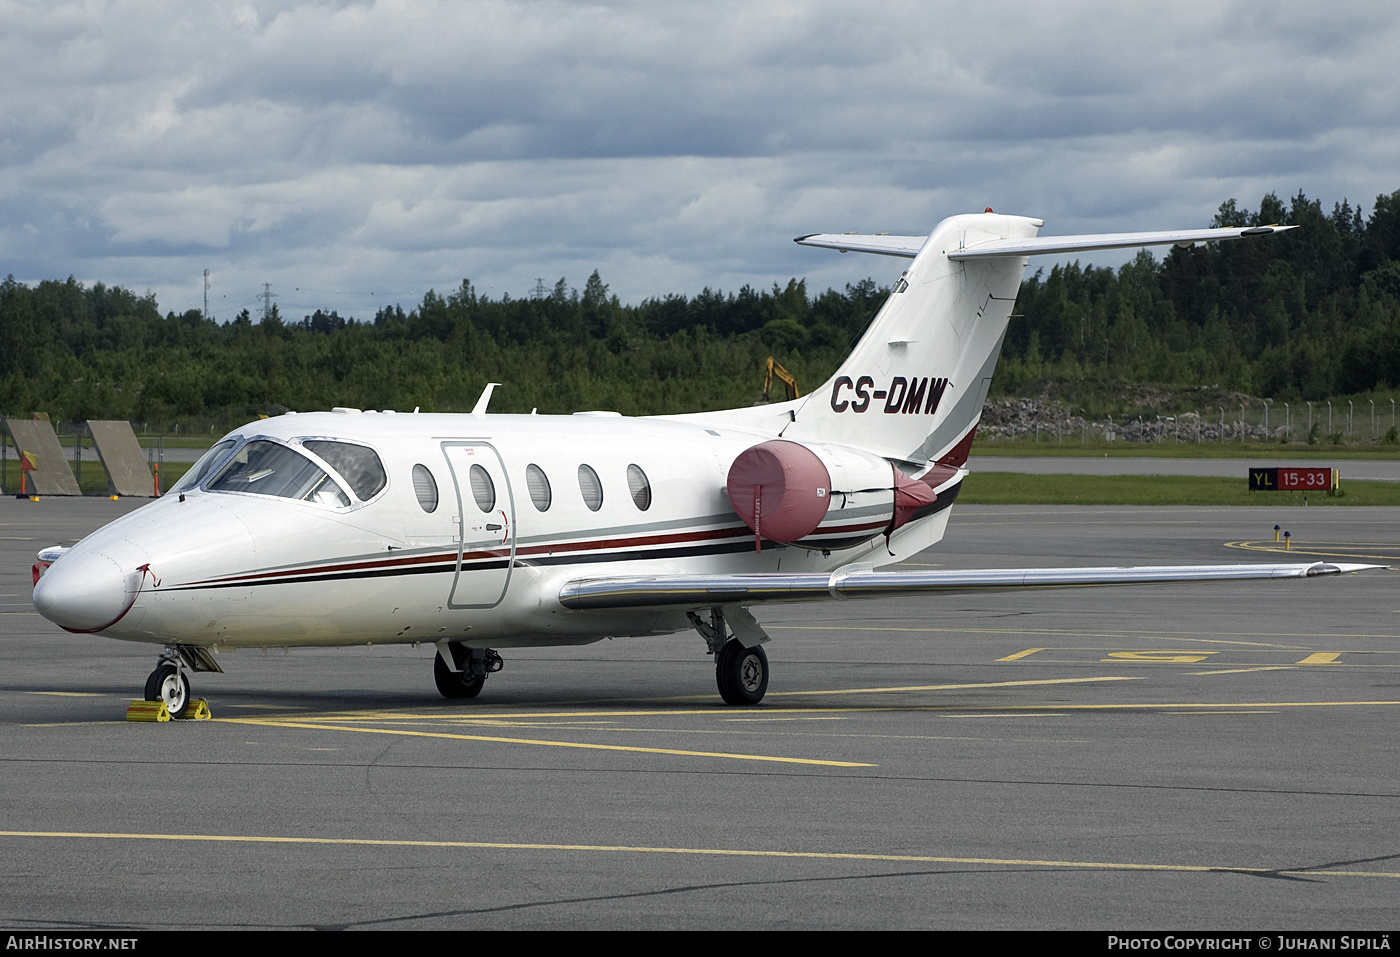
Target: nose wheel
(169, 684)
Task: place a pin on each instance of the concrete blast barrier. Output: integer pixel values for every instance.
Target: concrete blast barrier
(127, 471)
(53, 476)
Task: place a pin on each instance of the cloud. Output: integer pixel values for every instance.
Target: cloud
(352, 151)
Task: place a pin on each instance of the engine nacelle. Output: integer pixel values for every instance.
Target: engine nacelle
(818, 496)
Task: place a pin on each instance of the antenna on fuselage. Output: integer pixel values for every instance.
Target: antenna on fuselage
(485, 400)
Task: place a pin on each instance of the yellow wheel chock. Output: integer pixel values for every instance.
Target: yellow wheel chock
(198, 710)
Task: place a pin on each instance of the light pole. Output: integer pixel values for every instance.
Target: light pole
(1373, 418)
(1310, 421)
(1351, 413)
(1288, 422)
(1266, 415)
(1241, 423)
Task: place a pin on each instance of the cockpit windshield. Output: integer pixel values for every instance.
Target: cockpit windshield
(357, 464)
(266, 468)
(200, 469)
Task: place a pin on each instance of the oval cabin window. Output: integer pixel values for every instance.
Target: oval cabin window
(425, 487)
(640, 488)
(591, 488)
(538, 484)
(483, 489)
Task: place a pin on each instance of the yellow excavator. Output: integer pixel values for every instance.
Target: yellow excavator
(789, 383)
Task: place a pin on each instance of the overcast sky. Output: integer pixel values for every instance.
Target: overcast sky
(355, 155)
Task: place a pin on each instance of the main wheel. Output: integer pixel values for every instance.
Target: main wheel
(741, 673)
(168, 684)
(455, 684)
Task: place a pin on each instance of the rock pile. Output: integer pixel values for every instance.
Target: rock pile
(1022, 420)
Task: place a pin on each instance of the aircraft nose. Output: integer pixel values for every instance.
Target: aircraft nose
(85, 591)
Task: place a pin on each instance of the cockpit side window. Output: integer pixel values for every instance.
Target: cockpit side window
(200, 469)
(357, 464)
(266, 468)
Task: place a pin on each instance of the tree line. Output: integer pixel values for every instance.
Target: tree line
(1308, 314)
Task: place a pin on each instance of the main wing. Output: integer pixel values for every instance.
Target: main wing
(862, 581)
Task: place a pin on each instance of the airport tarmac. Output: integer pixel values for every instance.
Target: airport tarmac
(1369, 470)
(1175, 757)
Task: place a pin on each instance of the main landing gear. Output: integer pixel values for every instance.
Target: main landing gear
(466, 675)
(741, 673)
(741, 666)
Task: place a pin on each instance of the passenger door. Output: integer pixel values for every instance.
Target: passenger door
(485, 524)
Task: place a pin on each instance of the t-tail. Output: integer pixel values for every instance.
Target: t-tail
(912, 389)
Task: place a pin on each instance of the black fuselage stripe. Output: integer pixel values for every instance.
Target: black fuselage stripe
(450, 566)
(496, 564)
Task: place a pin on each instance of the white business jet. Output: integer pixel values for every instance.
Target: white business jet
(480, 532)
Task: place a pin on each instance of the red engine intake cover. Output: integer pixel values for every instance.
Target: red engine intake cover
(780, 489)
(910, 496)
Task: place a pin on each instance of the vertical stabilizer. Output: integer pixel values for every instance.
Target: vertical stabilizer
(913, 387)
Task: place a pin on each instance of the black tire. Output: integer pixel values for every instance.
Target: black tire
(741, 673)
(168, 683)
(455, 684)
(153, 685)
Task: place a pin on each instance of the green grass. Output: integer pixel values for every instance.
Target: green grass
(1014, 488)
(180, 441)
(94, 481)
(1185, 450)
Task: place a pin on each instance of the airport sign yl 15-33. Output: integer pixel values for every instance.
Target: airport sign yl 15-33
(1292, 479)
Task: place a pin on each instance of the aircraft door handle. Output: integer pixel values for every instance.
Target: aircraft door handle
(493, 528)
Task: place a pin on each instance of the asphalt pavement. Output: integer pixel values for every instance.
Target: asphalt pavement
(1370, 470)
(1206, 756)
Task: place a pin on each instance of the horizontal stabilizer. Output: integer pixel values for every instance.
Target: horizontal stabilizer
(909, 246)
(696, 591)
(906, 246)
(1045, 245)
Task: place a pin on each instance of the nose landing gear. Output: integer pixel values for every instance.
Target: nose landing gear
(170, 681)
(169, 684)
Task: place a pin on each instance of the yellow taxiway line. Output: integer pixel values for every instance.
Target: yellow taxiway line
(770, 712)
(956, 687)
(310, 726)
(1216, 637)
(1362, 551)
(702, 852)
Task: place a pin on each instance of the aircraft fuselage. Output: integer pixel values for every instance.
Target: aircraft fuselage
(475, 562)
